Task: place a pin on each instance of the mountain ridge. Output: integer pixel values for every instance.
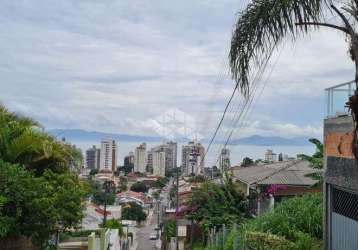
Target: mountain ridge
(255, 140)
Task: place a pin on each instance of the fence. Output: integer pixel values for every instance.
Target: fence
(218, 238)
(336, 98)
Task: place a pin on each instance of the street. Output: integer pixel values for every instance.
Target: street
(143, 233)
(144, 243)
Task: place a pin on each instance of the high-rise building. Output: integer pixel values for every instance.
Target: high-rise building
(93, 158)
(193, 158)
(172, 155)
(159, 160)
(129, 160)
(224, 163)
(150, 161)
(108, 155)
(270, 156)
(140, 158)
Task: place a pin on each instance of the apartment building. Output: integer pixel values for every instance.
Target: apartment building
(93, 156)
(193, 161)
(140, 158)
(108, 158)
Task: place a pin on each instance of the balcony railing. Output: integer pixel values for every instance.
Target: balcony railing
(336, 98)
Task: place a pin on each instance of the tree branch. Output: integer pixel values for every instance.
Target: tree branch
(345, 20)
(345, 30)
(351, 11)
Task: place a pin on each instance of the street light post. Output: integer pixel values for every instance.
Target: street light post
(176, 213)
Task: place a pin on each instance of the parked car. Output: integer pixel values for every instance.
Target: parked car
(153, 237)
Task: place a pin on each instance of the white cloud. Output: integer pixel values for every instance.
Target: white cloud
(116, 66)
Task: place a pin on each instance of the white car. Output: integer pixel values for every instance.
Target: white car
(153, 237)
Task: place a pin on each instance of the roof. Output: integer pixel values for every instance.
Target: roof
(134, 195)
(287, 173)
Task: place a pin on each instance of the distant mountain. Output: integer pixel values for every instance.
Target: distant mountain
(83, 135)
(271, 141)
(79, 135)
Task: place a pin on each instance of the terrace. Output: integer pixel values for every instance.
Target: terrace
(336, 98)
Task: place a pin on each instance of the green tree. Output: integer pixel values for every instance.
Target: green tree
(316, 159)
(213, 204)
(247, 162)
(114, 224)
(262, 26)
(133, 211)
(160, 183)
(93, 172)
(99, 195)
(294, 224)
(37, 207)
(169, 229)
(39, 192)
(139, 187)
(23, 142)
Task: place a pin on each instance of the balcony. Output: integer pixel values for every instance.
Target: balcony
(336, 98)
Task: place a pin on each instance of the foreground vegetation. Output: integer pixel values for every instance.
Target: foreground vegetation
(295, 224)
(40, 193)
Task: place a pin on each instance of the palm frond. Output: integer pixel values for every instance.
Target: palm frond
(261, 27)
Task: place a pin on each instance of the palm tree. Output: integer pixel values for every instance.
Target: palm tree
(316, 159)
(22, 141)
(265, 23)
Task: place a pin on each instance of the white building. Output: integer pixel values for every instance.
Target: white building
(270, 156)
(159, 161)
(108, 155)
(140, 158)
(193, 158)
(224, 163)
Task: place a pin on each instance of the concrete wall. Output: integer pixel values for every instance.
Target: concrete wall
(338, 136)
(341, 171)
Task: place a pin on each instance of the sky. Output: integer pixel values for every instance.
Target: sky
(156, 67)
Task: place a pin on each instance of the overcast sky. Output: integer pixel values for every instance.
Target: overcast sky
(118, 66)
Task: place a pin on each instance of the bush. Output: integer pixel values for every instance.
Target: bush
(169, 229)
(139, 187)
(299, 214)
(133, 211)
(295, 224)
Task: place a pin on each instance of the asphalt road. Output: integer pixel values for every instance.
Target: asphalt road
(144, 243)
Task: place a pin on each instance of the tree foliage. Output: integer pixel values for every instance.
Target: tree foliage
(133, 211)
(263, 25)
(259, 29)
(247, 162)
(39, 193)
(169, 229)
(316, 159)
(23, 142)
(100, 196)
(160, 183)
(214, 204)
(38, 206)
(140, 187)
(114, 224)
(295, 224)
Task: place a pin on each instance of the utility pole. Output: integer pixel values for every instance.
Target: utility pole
(176, 213)
(108, 187)
(158, 224)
